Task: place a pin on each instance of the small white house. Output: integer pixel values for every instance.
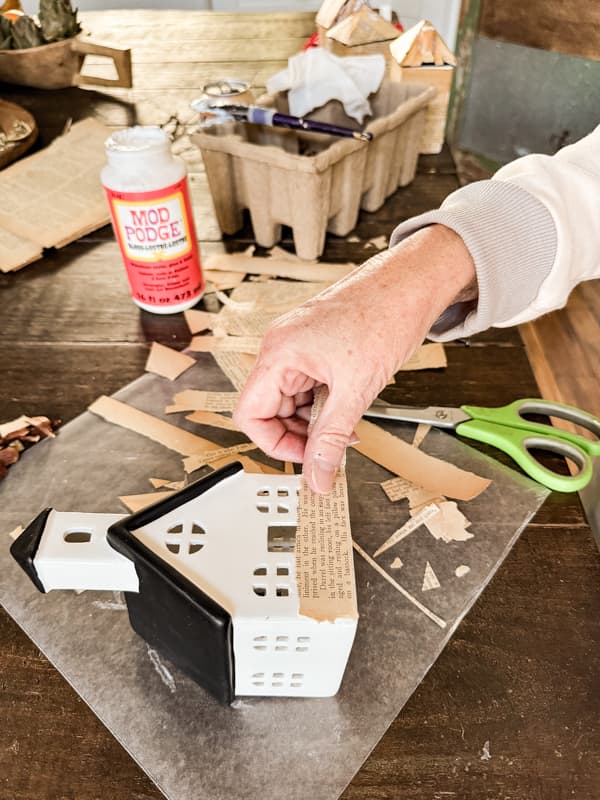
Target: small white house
(209, 578)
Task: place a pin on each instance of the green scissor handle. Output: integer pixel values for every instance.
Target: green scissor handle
(506, 429)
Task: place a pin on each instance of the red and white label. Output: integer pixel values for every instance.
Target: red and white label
(155, 231)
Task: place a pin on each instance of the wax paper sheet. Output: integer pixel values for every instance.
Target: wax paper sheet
(260, 747)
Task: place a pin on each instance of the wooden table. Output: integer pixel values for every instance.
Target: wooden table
(521, 673)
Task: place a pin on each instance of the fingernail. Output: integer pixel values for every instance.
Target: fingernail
(323, 474)
(353, 441)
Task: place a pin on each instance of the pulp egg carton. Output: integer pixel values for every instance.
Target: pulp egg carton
(312, 182)
(209, 579)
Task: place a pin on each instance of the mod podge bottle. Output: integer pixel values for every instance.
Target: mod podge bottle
(147, 191)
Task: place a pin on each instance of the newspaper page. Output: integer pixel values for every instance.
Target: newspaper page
(55, 195)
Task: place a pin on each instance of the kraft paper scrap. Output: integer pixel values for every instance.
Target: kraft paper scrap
(416, 466)
(324, 564)
(55, 195)
(166, 362)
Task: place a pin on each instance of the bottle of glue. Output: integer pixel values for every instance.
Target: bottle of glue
(147, 191)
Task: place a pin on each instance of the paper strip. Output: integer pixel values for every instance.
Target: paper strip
(422, 430)
(167, 362)
(324, 564)
(215, 420)
(411, 525)
(414, 465)
(192, 463)
(183, 442)
(396, 563)
(230, 344)
(430, 579)
(433, 617)
(279, 267)
(198, 400)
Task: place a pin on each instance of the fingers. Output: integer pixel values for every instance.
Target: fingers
(332, 433)
(268, 416)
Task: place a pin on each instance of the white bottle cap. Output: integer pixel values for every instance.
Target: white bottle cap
(139, 142)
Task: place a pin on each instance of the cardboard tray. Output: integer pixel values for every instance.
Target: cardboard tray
(313, 183)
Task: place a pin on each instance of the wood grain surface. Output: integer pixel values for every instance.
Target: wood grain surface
(565, 26)
(521, 672)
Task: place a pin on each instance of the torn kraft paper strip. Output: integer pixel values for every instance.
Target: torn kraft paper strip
(170, 436)
(416, 466)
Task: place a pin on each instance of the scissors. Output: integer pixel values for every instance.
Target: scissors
(508, 430)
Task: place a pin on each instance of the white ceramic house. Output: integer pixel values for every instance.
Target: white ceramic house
(209, 579)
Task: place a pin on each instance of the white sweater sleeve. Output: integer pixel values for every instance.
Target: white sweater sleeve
(533, 231)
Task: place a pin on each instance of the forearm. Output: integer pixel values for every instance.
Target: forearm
(533, 232)
(404, 290)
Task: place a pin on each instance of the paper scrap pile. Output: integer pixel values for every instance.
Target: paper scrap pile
(19, 434)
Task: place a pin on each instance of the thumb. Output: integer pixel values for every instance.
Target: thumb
(326, 445)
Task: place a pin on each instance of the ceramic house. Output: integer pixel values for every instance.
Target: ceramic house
(209, 580)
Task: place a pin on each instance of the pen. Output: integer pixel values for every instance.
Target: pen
(268, 116)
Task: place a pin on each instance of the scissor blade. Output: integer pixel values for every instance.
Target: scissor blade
(590, 500)
(438, 416)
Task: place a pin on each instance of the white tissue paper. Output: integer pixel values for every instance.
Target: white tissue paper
(316, 76)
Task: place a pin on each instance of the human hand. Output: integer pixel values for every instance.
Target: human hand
(352, 338)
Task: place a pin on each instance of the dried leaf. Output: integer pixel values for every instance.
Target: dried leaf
(8, 456)
(26, 34)
(58, 20)
(6, 34)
